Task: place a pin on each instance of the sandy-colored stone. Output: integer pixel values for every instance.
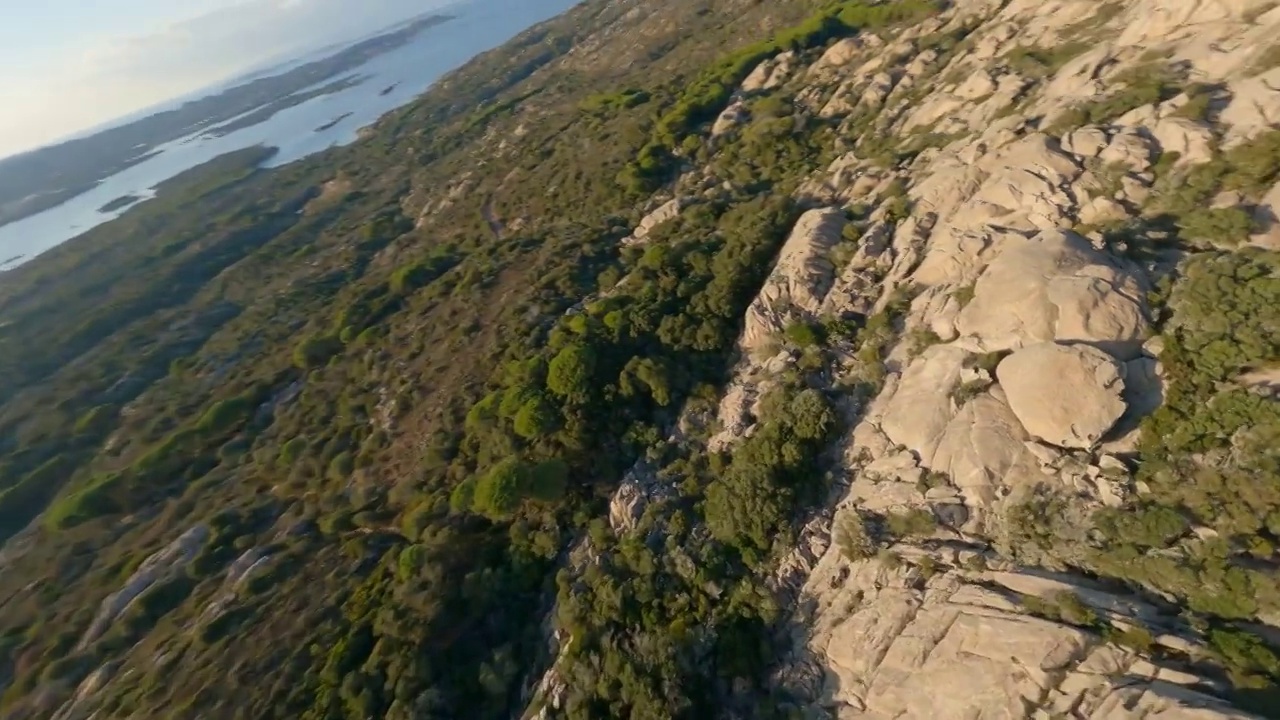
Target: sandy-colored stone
(983, 451)
(801, 278)
(919, 412)
(1192, 141)
(1056, 286)
(1068, 396)
(664, 213)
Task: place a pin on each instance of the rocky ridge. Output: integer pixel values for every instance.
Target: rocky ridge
(1024, 355)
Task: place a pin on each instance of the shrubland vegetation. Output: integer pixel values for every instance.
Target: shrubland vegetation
(702, 99)
(401, 387)
(408, 417)
(1205, 529)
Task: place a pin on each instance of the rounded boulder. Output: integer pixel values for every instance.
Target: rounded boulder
(1066, 395)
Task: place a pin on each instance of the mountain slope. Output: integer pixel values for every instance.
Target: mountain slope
(680, 360)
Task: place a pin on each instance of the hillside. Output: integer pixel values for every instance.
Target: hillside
(679, 360)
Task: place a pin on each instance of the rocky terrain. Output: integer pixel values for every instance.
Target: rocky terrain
(910, 360)
(1027, 354)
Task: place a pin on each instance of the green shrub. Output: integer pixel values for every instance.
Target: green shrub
(1242, 653)
(803, 334)
(1221, 226)
(1254, 165)
(408, 278)
(84, 504)
(315, 350)
(341, 467)
(536, 418)
(1042, 62)
(224, 415)
(570, 372)
(911, 523)
(498, 493)
(292, 451)
(1199, 103)
(854, 541)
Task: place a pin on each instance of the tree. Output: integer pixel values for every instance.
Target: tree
(810, 416)
(514, 399)
(802, 334)
(570, 371)
(498, 494)
(341, 467)
(411, 561)
(653, 374)
(315, 351)
(535, 419)
(548, 480)
(463, 497)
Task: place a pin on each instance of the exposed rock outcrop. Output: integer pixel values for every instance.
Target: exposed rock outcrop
(1056, 287)
(172, 558)
(664, 213)
(1022, 358)
(1068, 396)
(963, 645)
(800, 280)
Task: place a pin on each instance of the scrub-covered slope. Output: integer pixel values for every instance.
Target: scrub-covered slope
(715, 359)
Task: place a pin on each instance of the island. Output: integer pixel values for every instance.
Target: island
(120, 203)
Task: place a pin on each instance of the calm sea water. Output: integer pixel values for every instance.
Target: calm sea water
(477, 26)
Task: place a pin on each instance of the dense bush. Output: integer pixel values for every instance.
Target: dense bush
(753, 501)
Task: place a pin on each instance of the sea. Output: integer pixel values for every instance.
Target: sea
(384, 83)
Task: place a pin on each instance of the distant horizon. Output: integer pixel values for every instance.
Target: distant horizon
(157, 68)
(267, 68)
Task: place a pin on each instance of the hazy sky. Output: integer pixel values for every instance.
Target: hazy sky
(67, 65)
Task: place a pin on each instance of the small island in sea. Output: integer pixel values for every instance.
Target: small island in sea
(119, 203)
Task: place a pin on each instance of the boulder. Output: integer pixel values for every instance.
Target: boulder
(984, 451)
(770, 73)
(664, 213)
(979, 85)
(1056, 287)
(875, 94)
(1254, 107)
(626, 506)
(734, 415)
(1066, 395)
(732, 117)
(1023, 188)
(921, 408)
(801, 277)
(1191, 140)
(1101, 210)
(1087, 142)
(838, 55)
(1129, 149)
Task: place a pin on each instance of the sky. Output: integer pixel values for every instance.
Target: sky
(70, 65)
